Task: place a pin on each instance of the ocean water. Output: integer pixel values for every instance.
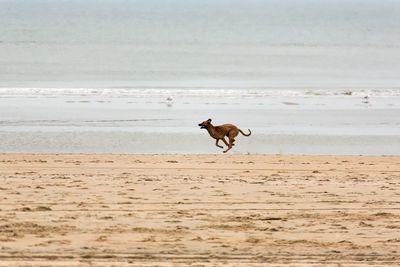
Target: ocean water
(256, 43)
(306, 76)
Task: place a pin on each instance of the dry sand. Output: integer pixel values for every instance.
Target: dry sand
(199, 210)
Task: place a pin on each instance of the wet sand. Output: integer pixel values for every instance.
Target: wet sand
(199, 210)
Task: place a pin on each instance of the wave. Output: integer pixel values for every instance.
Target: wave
(195, 92)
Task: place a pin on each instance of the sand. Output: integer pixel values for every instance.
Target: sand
(199, 210)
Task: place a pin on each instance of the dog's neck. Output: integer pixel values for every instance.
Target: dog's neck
(211, 129)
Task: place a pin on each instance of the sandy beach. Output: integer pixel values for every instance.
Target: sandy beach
(103, 161)
(199, 210)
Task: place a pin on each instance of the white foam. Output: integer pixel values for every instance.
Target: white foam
(196, 92)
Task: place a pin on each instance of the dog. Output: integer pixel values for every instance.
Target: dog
(219, 133)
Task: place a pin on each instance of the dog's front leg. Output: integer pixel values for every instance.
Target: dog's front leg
(216, 143)
(223, 139)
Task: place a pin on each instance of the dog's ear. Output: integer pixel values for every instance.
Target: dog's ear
(209, 120)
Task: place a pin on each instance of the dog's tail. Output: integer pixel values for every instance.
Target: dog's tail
(244, 133)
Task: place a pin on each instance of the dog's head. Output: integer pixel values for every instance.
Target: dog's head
(205, 124)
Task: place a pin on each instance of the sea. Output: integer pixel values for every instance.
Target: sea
(319, 77)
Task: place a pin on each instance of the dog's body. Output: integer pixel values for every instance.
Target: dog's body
(219, 133)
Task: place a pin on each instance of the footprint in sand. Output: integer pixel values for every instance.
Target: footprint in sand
(42, 208)
(102, 238)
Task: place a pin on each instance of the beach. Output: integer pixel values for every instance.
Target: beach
(199, 210)
(102, 161)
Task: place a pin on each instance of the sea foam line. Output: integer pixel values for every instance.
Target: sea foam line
(195, 92)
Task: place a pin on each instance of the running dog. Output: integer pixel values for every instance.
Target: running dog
(219, 133)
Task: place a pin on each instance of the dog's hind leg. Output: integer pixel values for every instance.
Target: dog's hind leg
(227, 144)
(231, 135)
(223, 139)
(229, 148)
(231, 144)
(216, 143)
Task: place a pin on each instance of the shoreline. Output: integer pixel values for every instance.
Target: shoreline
(129, 140)
(282, 125)
(158, 210)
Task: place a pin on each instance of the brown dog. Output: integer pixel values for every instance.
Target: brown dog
(219, 133)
